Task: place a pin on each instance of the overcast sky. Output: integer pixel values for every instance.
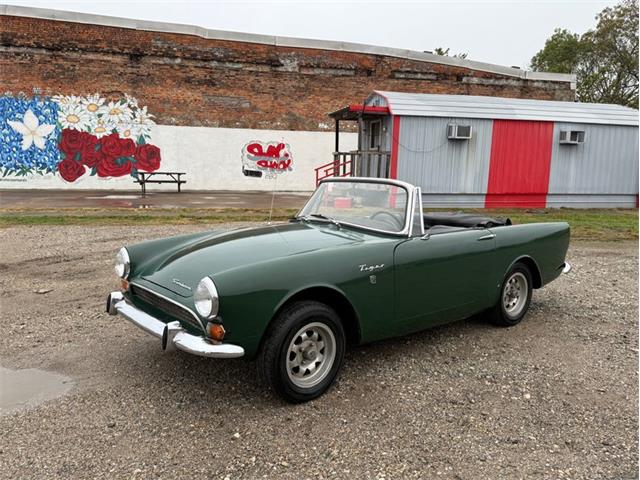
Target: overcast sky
(501, 32)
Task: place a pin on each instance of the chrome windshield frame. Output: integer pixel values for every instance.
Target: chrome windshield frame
(418, 205)
(412, 192)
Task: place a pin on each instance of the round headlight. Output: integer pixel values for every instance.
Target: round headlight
(206, 298)
(122, 263)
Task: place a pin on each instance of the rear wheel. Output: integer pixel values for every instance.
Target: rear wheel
(515, 297)
(303, 351)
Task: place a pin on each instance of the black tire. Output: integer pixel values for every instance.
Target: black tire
(275, 355)
(501, 314)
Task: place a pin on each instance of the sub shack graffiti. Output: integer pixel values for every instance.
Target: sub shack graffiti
(73, 136)
(266, 160)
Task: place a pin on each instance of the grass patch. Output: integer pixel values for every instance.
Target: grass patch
(586, 224)
(99, 217)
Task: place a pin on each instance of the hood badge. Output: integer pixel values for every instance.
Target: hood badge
(180, 284)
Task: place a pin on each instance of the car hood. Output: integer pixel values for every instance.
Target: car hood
(187, 262)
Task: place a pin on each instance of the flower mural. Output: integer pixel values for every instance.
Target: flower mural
(31, 130)
(16, 160)
(74, 135)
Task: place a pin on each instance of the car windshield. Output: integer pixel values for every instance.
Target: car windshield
(372, 205)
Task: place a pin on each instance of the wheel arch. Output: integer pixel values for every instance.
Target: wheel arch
(330, 296)
(536, 274)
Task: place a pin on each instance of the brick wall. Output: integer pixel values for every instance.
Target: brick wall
(189, 80)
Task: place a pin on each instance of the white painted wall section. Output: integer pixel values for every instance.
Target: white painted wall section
(212, 160)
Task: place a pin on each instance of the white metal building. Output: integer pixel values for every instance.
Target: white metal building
(497, 152)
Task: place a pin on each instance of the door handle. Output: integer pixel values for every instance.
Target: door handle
(488, 236)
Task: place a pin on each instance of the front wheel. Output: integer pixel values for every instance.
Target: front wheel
(303, 351)
(515, 297)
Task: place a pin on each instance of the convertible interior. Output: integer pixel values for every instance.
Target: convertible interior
(435, 222)
(442, 222)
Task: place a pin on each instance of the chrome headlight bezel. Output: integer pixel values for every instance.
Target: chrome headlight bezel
(123, 263)
(205, 299)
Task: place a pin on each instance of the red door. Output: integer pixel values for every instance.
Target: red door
(519, 164)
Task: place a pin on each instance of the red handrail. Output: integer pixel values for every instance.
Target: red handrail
(334, 169)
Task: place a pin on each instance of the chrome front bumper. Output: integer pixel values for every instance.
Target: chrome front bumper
(171, 334)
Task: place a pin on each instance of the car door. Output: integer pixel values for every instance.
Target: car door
(443, 277)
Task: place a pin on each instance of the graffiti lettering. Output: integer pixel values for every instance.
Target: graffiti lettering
(266, 160)
(273, 151)
(274, 165)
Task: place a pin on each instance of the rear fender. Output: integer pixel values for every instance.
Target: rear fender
(536, 274)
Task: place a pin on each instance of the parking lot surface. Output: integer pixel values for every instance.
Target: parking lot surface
(554, 397)
(37, 199)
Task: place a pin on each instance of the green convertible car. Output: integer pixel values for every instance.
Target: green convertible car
(360, 262)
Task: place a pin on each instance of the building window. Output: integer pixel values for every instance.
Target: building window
(374, 135)
(571, 137)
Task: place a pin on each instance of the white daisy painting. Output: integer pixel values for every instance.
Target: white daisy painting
(74, 116)
(100, 116)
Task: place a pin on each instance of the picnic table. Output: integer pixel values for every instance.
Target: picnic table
(159, 177)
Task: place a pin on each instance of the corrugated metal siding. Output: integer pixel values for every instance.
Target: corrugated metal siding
(468, 106)
(606, 163)
(520, 163)
(591, 200)
(460, 200)
(428, 159)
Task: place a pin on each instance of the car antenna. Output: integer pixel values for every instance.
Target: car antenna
(273, 193)
(273, 196)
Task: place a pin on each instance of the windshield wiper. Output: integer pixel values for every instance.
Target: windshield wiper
(323, 217)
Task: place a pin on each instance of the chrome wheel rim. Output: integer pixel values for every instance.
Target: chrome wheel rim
(310, 355)
(515, 293)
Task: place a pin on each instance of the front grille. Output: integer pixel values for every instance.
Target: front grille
(166, 306)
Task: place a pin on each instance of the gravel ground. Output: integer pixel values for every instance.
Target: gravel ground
(555, 397)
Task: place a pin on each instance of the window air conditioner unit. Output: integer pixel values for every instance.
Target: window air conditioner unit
(571, 137)
(458, 132)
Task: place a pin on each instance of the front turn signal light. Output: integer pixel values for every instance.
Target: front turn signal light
(124, 285)
(216, 331)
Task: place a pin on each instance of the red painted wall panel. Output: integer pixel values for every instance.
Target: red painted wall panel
(519, 164)
(395, 138)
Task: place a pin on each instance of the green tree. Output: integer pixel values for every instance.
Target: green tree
(605, 59)
(560, 53)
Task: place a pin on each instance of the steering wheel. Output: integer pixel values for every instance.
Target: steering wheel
(395, 219)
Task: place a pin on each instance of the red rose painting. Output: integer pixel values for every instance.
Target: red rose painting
(70, 170)
(147, 157)
(110, 145)
(127, 147)
(71, 142)
(113, 167)
(91, 153)
(105, 138)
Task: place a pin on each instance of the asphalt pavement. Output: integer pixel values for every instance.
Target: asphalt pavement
(53, 199)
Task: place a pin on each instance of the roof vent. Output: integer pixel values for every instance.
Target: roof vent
(458, 132)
